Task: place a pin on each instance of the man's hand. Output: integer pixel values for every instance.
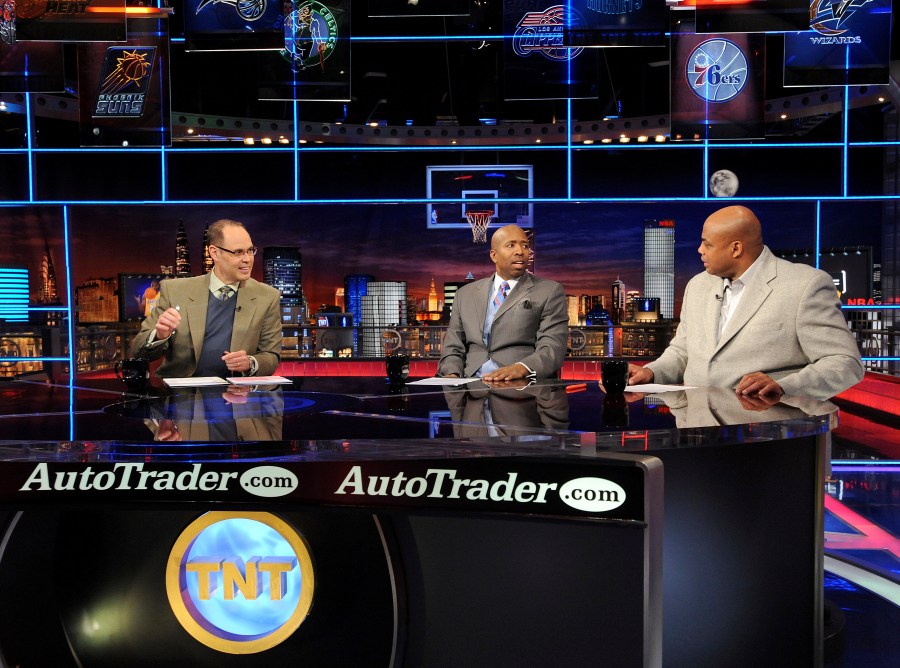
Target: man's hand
(511, 372)
(237, 362)
(167, 431)
(639, 375)
(167, 323)
(758, 402)
(236, 394)
(510, 384)
(758, 383)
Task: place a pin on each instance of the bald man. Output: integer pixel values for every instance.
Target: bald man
(756, 323)
(510, 325)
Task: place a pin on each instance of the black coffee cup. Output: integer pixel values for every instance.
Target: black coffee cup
(614, 375)
(134, 372)
(397, 367)
(615, 410)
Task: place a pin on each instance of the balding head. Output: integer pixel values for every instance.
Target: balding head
(509, 251)
(731, 241)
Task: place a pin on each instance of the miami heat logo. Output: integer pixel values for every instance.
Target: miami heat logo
(542, 32)
(249, 10)
(310, 36)
(828, 18)
(8, 23)
(125, 77)
(717, 70)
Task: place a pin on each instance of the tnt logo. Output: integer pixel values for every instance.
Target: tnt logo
(240, 582)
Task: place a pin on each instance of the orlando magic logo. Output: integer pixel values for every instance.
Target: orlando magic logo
(828, 18)
(249, 10)
(717, 70)
(310, 36)
(542, 32)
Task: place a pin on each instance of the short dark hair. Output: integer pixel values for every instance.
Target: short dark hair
(215, 234)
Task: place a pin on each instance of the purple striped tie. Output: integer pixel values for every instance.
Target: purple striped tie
(501, 294)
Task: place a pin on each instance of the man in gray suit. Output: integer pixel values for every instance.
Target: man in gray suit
(756, 323)
(221, 324)
(510, 325)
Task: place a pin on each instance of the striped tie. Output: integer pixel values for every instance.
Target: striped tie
(225, 293)
(501, 295)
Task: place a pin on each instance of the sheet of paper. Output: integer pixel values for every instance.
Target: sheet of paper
(259, 380)
(196, 381)
(654, 388)
(442, 381)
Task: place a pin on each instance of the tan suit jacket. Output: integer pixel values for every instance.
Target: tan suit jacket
(788, 324)
(531, 326)
(257, 326)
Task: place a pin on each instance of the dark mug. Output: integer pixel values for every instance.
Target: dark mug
(133, 372)
(397, 367)
(614, 375)
(615, 410)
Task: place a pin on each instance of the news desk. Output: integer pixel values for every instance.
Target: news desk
(348, 522)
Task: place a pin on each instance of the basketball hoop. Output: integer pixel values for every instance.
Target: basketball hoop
(479, 220)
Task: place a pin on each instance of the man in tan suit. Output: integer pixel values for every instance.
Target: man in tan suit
(510, 325)
(756, 323)
(221, 324)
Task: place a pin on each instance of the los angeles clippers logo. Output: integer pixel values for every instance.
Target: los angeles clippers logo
(249, 10)
(828, 18)
(310, 36)
(717, 70)
(542, 32)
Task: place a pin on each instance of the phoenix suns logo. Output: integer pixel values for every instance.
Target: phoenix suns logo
(124, 80)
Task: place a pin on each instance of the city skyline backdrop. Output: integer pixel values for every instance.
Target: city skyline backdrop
(583, 246)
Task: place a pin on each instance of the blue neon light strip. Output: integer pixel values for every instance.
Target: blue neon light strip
(818, 230)
(71, 324)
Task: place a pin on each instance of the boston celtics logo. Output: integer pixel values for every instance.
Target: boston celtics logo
(310, 35)
(717, 70)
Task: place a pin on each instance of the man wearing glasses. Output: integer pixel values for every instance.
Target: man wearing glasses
(221, 324)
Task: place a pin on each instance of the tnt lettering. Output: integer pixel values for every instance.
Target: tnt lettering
(227, 576)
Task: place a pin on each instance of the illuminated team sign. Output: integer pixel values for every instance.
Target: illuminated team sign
(716, 70)
(240, 583)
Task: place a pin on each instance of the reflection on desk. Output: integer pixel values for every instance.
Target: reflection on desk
(499, 410)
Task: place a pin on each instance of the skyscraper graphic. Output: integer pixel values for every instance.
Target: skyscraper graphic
(356, 286)
(207, 258)
(182, 252)
(659, 264)
(432, 297)
(282, 269)
(617, 303)
(383, 306)
(49, 292)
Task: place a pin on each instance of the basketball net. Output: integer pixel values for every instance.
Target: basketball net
(479, 220)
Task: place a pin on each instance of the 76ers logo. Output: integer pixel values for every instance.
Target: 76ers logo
(716, 70)
(542, 32)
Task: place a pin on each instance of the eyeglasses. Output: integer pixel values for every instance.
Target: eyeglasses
(240, 252)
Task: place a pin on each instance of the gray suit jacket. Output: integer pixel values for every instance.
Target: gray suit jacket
(788, 325)
(257, 326)
(530, 327)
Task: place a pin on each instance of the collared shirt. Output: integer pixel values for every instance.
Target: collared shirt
(732, 291)
(215, 284)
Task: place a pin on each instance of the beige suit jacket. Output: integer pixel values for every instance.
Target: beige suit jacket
(530, 327)
(257, 326)
(788, 325)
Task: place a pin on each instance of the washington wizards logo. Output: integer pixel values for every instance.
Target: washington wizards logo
(717, 70)
(249, 10)
(828, 18)
(310, 36)
(542, 32)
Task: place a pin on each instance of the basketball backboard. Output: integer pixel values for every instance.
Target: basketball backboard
(454, 189)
